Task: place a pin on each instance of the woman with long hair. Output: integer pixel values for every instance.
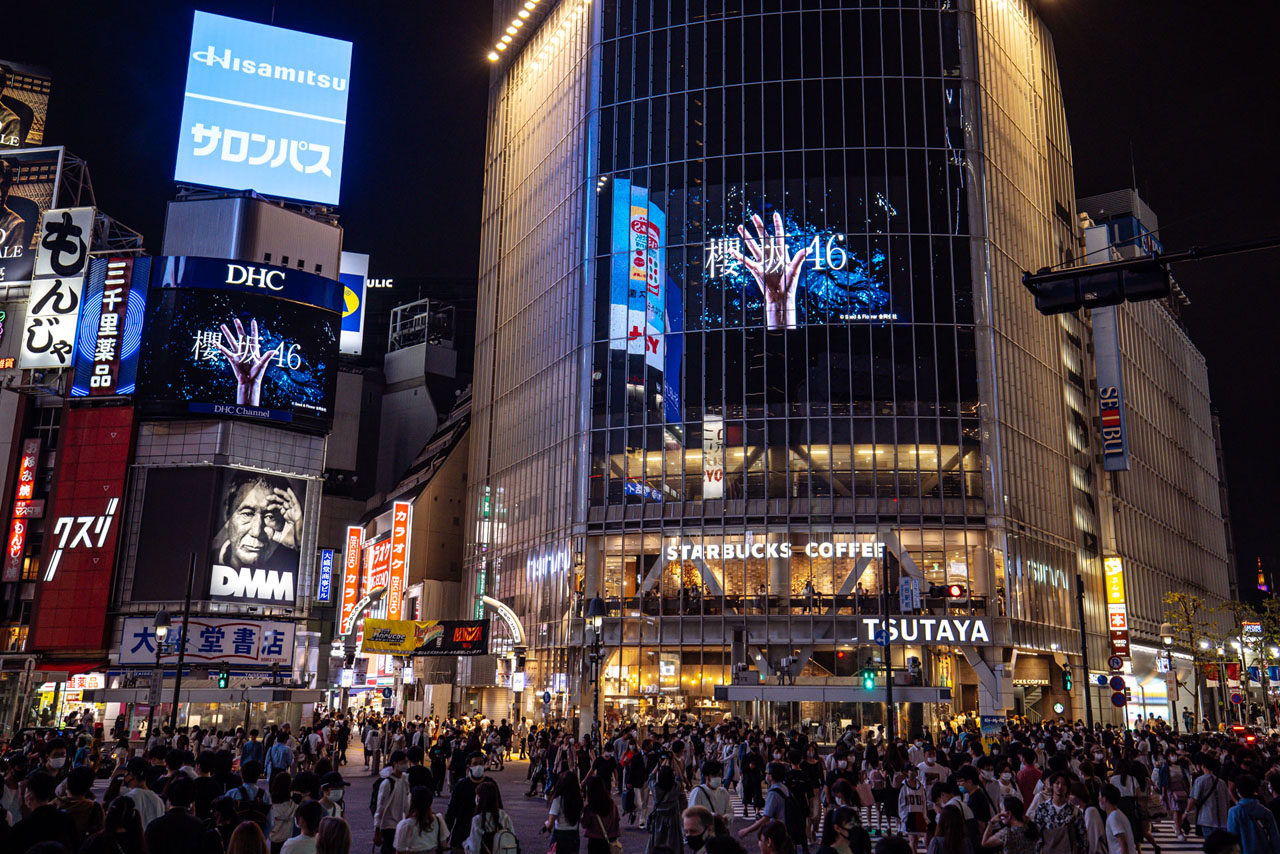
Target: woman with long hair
(564, 817)
(333, 837)
(774, 839)
(489, 821)
(842, 834)
(666, 831)
(247, 839)
(284, 804)
(422, 830)
(600, 819)
(121, 831)
(951, 837)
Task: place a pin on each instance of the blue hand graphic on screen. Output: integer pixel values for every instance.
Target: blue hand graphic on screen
(775, 269)
(247, 361)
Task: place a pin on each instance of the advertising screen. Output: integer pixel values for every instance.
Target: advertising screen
(24, 104)
(353, 272)
(28, 188)
(244, 526)
(264, 109)
(229, 339)
(429, 637)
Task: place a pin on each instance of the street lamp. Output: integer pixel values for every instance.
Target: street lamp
(161, 625)
(1166, 637)
(597, 610)
(1166, 633)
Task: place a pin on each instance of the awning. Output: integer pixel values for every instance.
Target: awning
(207, 695)
(831, 694)
(71, 668)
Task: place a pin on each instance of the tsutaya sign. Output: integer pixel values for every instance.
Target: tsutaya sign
(756, 547)
(930, 629)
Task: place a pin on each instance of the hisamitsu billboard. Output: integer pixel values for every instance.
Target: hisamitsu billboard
(264, 109)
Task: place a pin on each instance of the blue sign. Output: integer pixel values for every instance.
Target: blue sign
(1118, 699)
(1111, 422)
(1102, 681)
(220, 274)
(353, 273)
(882, 637)
(325, 593)
(1117, 683)
(264, 109)
(110, 331)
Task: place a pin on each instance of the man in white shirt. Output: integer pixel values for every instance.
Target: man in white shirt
(711, 793)
(1119, 831)
(149, 805)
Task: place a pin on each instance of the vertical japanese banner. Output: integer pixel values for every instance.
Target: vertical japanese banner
(1117, 611)
(638, 270)
(24, 491)
(61, 261)
(620, 255)
(350, 577)
(377, 575)
(400, 513)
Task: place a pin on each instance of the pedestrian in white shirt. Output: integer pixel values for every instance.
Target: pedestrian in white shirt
(422, 830)
(1119, 831)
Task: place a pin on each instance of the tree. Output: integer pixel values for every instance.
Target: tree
(1257, 643)
(1189, 615)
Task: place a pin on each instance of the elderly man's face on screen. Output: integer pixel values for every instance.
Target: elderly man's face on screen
(256, 521)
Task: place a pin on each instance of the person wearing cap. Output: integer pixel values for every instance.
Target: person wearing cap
(149, 805)
(332, 788)
(178, 829)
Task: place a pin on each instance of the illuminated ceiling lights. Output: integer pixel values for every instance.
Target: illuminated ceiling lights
(516, 23)
(561, 34)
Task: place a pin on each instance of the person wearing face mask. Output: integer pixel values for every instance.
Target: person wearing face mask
(711, 794)
(752, 777)
(462, 801)
(700, 826)
(931, 771)
(332, 788)
(1008, 785)
(134, 776)
(393, 800)
(842, 833)
(55, 761)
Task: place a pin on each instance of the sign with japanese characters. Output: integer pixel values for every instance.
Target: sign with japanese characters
(48, 339)
(81, 529)
(350, 577)
(240, 340)
(17, 542)
(1117, 610)
(324, 592)
(66, 235)
(400, 515)
(429, 637)
(264, 109)
(111, 319)
(213, 639)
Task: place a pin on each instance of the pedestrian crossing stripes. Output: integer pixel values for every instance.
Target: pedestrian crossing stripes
(1162, 830)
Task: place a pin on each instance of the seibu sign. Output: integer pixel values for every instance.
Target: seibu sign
(731, 551)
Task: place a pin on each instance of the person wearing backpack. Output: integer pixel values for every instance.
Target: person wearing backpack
(250, 801)
(391, 801)
(779, 805)
(711, 792)
(492, 831)
(462, 801)
(1251, 821)
(1060, 822)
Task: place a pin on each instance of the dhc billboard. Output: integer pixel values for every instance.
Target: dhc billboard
(264, 109)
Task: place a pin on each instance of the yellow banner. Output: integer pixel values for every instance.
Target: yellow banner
(426, 637)
(1113, 568)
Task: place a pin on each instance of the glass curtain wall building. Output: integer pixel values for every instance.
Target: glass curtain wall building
(755, 365)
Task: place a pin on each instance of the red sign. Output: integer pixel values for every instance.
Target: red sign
(82, 528)
(399, 559)
(350, 577)
(379, 567)
(17, 528)
(28, 508)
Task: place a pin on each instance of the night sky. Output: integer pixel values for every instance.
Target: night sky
(1182, 94)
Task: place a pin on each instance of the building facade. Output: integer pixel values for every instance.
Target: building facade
(756, 368)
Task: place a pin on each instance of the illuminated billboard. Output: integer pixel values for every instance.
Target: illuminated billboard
(245, 527)
(229, 339)
(112, 311)
(353, 273)
(24, 104)
(264, 109)
(28, 188)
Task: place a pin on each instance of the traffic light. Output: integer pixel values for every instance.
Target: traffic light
(1066, 680)
(955, 591)
(1108, 284)
(868, 679)
(224, 678)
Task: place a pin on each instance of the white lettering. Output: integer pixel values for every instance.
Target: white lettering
(249, 583)
(308, 77)
(980, 632)
(946, 631)
(672, 552)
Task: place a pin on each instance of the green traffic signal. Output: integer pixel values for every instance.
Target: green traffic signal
(869, 679)
(224, 678)
(1066, 680)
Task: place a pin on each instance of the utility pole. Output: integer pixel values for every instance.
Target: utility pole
(182, 645)
(891, 717)
(1084, 650)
